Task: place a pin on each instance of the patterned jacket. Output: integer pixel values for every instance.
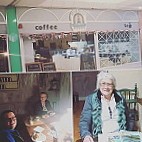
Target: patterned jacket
(90, 121)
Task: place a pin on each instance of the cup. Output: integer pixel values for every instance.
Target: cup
(31, 122)
(37, 118)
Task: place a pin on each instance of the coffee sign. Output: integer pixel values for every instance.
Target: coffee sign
(46, 27)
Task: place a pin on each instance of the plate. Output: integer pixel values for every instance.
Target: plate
(38, 129)
(41, 137)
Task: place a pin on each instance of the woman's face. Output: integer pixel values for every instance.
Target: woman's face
(106, 87)
(43, 97)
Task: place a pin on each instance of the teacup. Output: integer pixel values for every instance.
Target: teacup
(37, 118)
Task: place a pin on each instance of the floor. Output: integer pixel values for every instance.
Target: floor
(77, 109)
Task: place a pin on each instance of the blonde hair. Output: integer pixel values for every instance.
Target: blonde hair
(105, 74)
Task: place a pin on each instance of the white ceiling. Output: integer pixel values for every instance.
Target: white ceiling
(93, 4)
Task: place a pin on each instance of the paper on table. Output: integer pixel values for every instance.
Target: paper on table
(52, 133)
(38, 129)
(131, 136)
(122, 136)
(109, 137)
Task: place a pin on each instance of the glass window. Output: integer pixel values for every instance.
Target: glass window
(118, 47)
(3, 55)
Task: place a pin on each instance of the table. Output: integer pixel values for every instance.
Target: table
(39, 124)
(55, 128)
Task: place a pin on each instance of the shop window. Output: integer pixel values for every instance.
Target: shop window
(53, 46)
(90, 38)
(41, 43)
(49, 48)
(75, 38)
(119, 47)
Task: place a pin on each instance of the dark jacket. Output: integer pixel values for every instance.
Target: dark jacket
(10, 135)
(90, 121)
(39, 110)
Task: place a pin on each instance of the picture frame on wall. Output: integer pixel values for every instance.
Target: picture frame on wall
(31, 67)
(48, 66)
(9, 82)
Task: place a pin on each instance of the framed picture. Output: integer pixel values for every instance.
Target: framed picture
(8, 82)
(36, 66)
(48, 66)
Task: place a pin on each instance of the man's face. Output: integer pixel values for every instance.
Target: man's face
(43, 97)
(10, 120)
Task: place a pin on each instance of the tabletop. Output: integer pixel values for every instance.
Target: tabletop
(39, 130)
(48, 129)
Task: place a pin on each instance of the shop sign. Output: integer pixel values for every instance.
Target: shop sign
(78, 20)
(46, 27)
(128, 25)
(39, 28)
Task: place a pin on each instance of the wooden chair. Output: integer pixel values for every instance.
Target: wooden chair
(131, 100)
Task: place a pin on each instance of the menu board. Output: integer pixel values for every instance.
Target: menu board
(8, 82)
(31, 67)
(87, 62)
(49, 66)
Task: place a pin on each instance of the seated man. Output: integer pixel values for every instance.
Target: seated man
(8, 133)
(43, 107)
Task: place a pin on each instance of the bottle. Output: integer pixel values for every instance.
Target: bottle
(31, 121)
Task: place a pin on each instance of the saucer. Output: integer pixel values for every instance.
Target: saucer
(41, 138)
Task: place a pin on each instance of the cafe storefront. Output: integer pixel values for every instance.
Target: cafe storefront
(66, 39)
(4, 52)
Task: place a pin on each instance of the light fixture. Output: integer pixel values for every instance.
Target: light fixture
(20, 26)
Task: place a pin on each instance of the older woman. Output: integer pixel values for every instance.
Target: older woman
(104, 111)
(43, 106)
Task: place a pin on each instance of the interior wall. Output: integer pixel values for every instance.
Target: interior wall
(127, 79)
(23, 99)
(28, 51)
(94, 20)
(84, 83)
(65, 94)
(140, 26)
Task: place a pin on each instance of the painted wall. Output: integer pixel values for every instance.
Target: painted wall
(28, 52)
(127, 79)
(84, 83)
(140, 25)
(42, 20)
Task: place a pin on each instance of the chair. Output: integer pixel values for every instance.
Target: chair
(131, 99)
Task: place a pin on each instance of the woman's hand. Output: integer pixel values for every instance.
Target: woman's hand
(88, 139)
